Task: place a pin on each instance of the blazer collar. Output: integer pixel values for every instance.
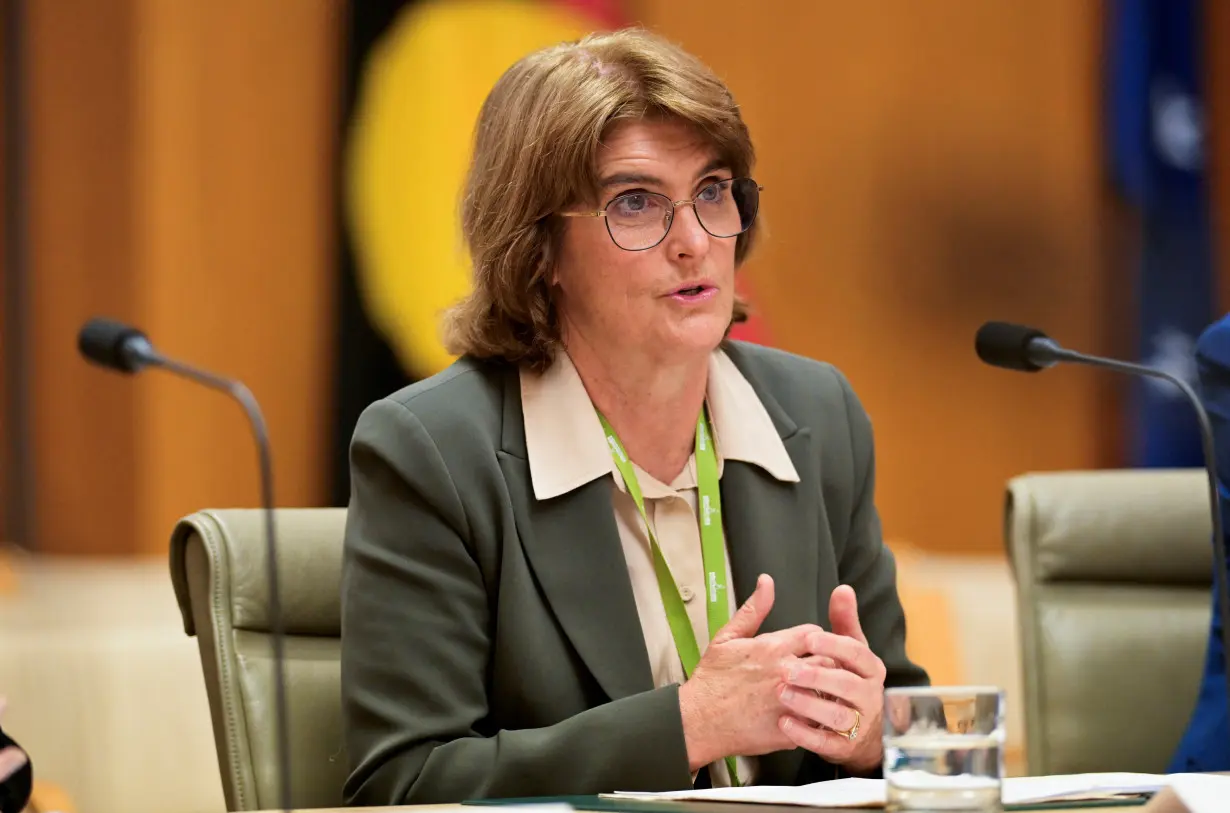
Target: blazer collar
(512, 435)
(563, 440)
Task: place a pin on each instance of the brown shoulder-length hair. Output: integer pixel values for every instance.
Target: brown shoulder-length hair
(535, 154)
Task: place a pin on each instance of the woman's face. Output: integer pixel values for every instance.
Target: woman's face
(673, 301)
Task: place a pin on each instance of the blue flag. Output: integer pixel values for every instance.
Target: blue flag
(1156, 145)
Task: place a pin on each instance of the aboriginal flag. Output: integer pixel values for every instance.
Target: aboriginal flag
(417, 72)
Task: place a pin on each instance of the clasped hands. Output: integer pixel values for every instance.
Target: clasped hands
(753, 694)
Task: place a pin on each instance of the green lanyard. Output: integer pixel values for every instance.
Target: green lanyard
(712, 548)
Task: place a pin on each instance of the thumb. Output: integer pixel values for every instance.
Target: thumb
(843, 613)
(747, 620)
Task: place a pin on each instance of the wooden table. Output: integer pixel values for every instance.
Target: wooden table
(412, 809)
(1163, 802)
(702, 807)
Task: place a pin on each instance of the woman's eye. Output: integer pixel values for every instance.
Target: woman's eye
(633, 204)
(715, 192)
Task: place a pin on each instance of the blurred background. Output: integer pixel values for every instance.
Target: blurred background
(268, 188)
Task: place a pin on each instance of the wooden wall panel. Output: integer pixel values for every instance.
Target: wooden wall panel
(928, 166)
(5, 428)
(183, 180)
(80, 92)
(236, 202)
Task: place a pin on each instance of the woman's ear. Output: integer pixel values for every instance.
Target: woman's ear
(550, 268)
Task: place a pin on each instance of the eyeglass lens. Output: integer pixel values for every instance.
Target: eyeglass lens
(640, 220)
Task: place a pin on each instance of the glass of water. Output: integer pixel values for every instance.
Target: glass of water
(944, 748)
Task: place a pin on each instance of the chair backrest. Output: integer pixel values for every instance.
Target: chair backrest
(1114, 573)
(218, 569)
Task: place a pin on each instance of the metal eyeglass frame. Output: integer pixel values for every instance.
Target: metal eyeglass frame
(673, 205)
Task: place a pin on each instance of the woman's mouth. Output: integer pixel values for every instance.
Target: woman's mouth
(694, 293)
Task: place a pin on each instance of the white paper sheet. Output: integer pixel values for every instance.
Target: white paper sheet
(1026, 789)
(870, 793)
(1202, 793)
(850, 792)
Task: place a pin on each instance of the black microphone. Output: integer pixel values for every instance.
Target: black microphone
(123, 348)
(1016, 347)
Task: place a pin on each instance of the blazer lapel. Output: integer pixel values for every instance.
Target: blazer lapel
(770, 529)
(574, 549)
(774, 527)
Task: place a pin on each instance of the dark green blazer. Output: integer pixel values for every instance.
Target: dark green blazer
(490, 642)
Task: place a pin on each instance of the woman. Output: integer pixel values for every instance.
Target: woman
(510, 625)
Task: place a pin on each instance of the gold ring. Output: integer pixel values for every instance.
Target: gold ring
(852, 732)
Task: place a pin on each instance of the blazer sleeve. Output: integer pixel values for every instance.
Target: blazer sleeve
(866, 563)
(416, 638)
(15, 789)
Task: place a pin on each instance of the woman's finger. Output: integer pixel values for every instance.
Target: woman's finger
(822, 741)
(811, 706)
(847, 652)
(839, 683)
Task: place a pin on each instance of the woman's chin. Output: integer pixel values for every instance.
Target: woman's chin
(697, 336)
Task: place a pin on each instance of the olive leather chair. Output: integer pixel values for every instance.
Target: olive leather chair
(1114, 577)
(218, 570)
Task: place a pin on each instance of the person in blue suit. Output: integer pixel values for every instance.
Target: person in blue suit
(1206, 743)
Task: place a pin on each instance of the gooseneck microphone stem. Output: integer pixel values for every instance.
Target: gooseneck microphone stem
(1045, 349)
(1027, 349)
(125, 349)
(256, 420)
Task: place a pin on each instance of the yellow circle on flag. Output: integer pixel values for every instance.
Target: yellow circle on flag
(418, 100)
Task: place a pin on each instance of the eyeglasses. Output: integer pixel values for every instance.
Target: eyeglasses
(638, 221)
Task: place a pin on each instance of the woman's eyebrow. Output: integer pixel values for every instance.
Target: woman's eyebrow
(622, 178)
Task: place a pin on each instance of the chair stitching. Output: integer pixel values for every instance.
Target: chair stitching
(224, 665)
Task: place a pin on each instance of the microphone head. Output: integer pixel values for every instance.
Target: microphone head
(1003, 344)
(113, 345)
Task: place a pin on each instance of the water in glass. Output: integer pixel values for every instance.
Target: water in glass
(943, 748)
